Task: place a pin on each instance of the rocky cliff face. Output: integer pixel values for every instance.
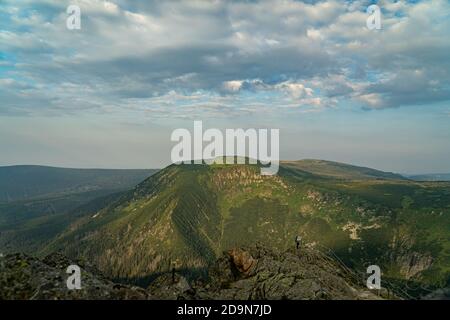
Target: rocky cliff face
(240, 273)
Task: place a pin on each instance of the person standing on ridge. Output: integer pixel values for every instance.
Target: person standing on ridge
(298, 241)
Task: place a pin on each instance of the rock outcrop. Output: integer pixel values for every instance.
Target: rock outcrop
(241, 273)
(258, 273)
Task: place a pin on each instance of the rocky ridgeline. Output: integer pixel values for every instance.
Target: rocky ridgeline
(241, 273)
(258, 273)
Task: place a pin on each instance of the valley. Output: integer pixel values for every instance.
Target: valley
(37, 203)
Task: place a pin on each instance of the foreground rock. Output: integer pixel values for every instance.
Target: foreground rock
(257, 273)
(241, 273)
(25, 277)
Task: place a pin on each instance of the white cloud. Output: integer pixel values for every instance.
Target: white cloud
(233, 85)
(309, 53)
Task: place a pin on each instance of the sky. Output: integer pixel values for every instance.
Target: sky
(109, 94)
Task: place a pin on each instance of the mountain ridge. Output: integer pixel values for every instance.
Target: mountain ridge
(185, 215)
(341, 170)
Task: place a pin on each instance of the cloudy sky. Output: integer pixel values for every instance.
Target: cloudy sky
(110, 94)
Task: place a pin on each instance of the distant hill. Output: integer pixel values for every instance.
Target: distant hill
(338, 170)
(27, 182)
(430, 177)
(37, 203)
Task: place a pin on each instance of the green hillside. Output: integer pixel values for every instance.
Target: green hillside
(185, 216)
(37, 203)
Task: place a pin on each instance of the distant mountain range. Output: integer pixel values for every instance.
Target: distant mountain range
(185, 216)
(430, 177)
(339, 170)
(37, 202)
(27, 182)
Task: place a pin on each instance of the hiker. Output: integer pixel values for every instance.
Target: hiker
(298, 241)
